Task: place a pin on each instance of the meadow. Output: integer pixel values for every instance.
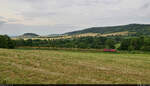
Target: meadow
(31, 66)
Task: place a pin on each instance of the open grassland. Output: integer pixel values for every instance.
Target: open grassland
(20, 66)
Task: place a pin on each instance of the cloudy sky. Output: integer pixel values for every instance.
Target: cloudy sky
(59, 16)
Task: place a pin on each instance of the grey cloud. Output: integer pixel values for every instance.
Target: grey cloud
(12, 20)
(35, 14)
(18, 29)
(38, 4)
(2, 17)
(145, 6)
(2, 22)
(7, 20)
(68, 15)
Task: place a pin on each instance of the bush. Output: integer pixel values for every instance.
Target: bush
(146, 48)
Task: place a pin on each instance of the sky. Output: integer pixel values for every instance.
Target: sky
(46, 17)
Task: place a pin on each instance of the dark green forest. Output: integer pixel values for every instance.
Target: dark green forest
(139, 29)
(139, 43)
(136, 43)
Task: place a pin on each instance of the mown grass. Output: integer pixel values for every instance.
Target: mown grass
(20, 66)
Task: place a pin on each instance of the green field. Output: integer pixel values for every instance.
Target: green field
(20, 66)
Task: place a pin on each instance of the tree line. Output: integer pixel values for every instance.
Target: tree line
(83, 42)
(132, 43)
(136, 43)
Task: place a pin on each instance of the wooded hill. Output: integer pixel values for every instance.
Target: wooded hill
(29, 35)
(133, 29)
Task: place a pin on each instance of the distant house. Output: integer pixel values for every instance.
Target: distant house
(110, 50)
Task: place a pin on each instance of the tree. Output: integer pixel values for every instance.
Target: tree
(6, 42)
(110, 44)
(146, 44)
(125, 43)
(29, 42)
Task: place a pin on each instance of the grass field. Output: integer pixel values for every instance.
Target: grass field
(20, 66)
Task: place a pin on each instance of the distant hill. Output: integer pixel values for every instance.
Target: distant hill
(29, 35)
(133, 29)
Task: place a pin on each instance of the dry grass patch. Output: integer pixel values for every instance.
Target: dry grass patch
(51, 66)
